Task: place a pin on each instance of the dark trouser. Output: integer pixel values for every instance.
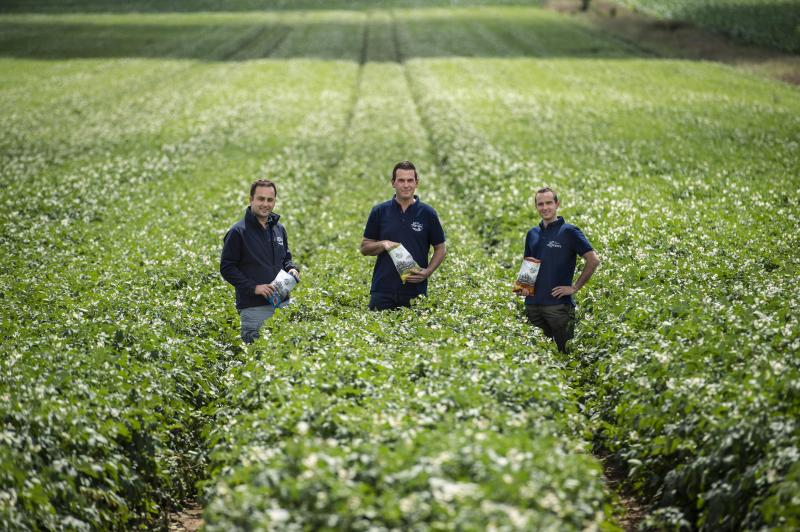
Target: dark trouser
(557, 322)
(386, 301)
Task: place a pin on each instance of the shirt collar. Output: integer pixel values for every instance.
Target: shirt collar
(272, 219)
(555, 223)
(397, 203)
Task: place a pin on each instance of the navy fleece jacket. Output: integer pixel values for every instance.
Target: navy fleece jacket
(253, 255)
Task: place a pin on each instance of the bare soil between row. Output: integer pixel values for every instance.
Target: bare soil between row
(189, 519)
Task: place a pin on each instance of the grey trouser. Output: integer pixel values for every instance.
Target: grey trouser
(557, 322)
(254, 317)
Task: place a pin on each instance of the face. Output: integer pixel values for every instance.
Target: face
(547, 206)
(262, 202)
(405, 184)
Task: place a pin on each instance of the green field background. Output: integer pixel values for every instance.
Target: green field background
(769, 23)
(129, 140)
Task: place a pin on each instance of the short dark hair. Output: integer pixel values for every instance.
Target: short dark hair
(543, 190)
(262, 183)
(404, 165)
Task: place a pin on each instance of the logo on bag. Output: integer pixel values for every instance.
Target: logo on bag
(554, 244)
(416, 226)
(279, 240)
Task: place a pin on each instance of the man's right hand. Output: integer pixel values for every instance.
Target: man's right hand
(376, 247)
(265, 290)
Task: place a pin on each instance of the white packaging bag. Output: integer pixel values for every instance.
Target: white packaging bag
(284, 283)
(404, 262)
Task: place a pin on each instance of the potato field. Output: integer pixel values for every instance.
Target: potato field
(129, 139)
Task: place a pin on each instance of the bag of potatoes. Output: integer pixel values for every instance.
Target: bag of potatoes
(526, 278)
(404, 262)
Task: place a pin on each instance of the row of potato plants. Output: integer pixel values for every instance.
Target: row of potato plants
(84, 445)
(112, 303)
(687, 350)
(170, 38)
(442, 416)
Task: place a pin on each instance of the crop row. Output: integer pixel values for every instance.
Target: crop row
(688, 350)
(113, 342)
(205, 6)
(169, 38)
(443, 416)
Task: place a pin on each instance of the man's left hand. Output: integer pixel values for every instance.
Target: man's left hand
(562, 291)
(295, 273)
(419, 276)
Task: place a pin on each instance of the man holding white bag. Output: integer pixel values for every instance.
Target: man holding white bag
(555, 245)
(397, 231)
(256, 260)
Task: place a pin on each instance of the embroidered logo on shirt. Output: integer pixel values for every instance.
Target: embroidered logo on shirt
(554, 244)
(416, 226)
(279, 240)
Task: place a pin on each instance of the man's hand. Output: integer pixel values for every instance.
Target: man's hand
(562, 291)
(375, 247)
(265, 290)
(439, 251)
(295, 273)
(418, 277)
(592, 261)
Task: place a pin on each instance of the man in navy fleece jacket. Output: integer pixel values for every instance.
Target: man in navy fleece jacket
(256, 248)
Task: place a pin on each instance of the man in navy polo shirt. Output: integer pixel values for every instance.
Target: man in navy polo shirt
(557, 244)
(406, 220)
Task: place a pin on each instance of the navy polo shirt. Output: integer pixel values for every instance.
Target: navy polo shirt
(418, 228)
(557, 246)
